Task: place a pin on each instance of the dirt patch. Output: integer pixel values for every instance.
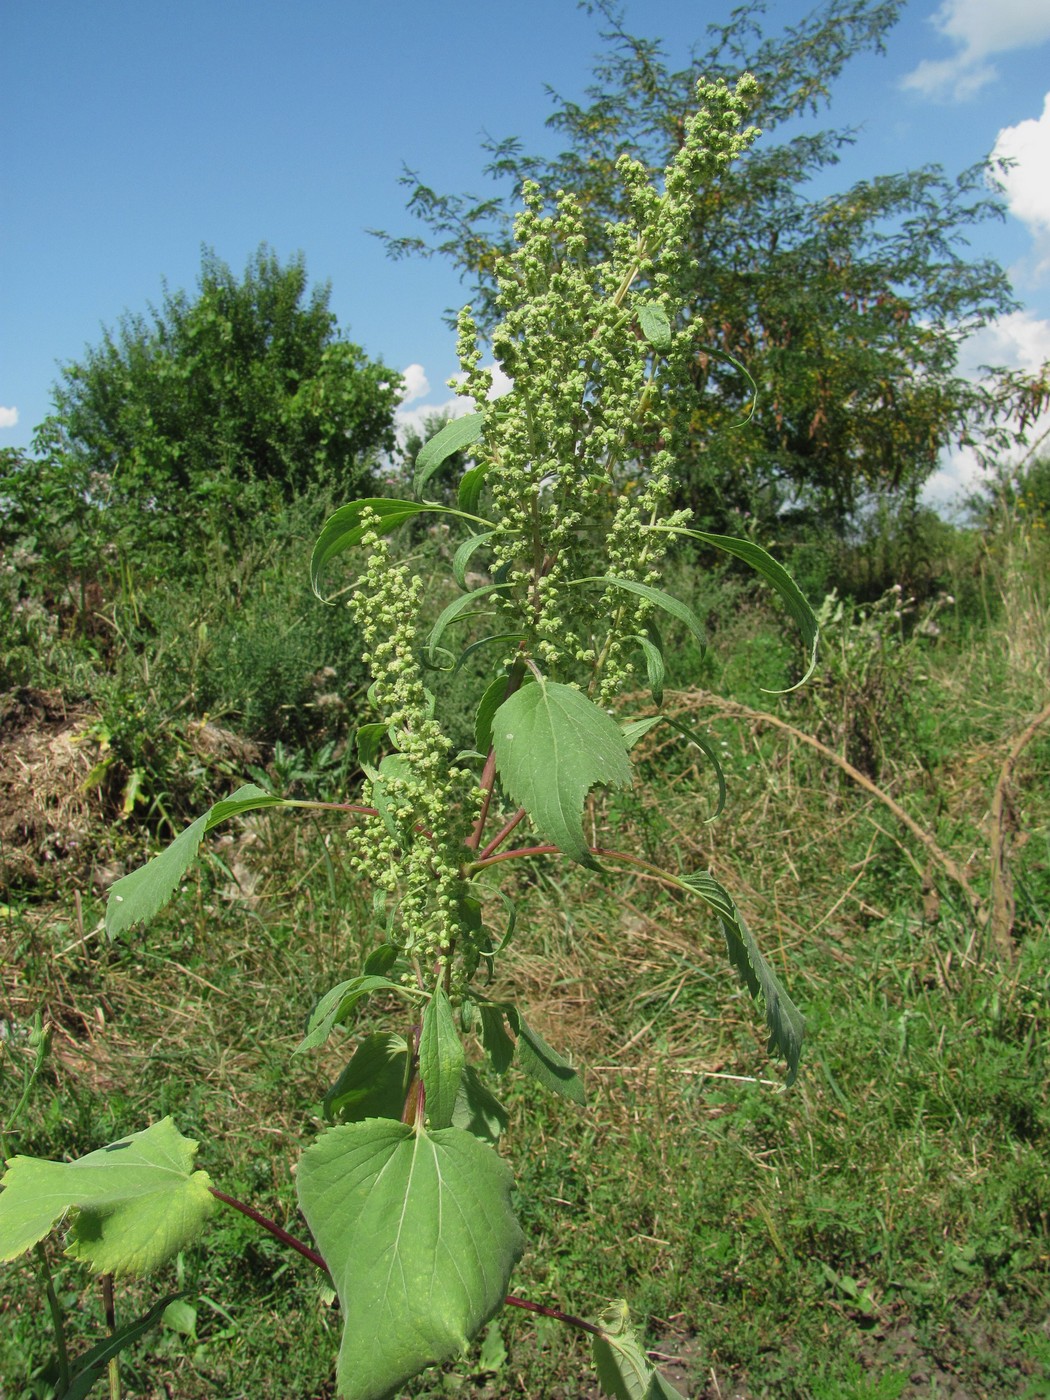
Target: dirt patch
(46, 816)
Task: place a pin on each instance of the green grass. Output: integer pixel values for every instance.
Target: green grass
(882, 1230)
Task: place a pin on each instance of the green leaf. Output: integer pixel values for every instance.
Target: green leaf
(345, 529)
(137, 1202)
(452, 438)
(335, 1006)
(93, 1364)
(373, 1084)
(545, 1065)
(624, 1370)
(709, 752)
(659, 599)
(494, 695)
(465, 553)
(369, 740)
(772, 572)
(785, 1022)
(478, 1111)
(441, 1060)
(470, 487)
(552, 746)
(655, 669)
(138, 897)
(456, 609)
(655, 326)
(419, 1237)
(498, 1045)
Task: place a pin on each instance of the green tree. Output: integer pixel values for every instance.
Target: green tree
(833, 322)
(207, 407)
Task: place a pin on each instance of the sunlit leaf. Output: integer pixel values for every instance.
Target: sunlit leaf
(418, 1233)
(345, 528)
(552, 746)
(655, 326)
(624, 1370)
(138, 897)
(441, 1060)
(665, 601)
(774, 573)
(543, 1063)
(452, 438)
(135, 1203)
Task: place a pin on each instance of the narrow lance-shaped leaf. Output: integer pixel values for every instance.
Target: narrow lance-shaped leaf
(418, 1234)
(552, 746)
(665, 601)
(543, 1062)
(452, 438)
(458, 608)
(92, 1365)
(785, 1021)
(137, 897)
(137, 1202)
(774, 573)
(441, 1060)
(345, 528)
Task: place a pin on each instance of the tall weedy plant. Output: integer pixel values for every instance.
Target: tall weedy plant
(566, 508)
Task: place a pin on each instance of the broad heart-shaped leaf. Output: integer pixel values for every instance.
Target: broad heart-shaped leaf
(453, 437)
(419, 1237)
(655, 326)
(552, 746)
(137, 897)
(137, 1202)
(772, 572)
(344, 529)
(785, 1022)
(441, 1060)
(624, 1370)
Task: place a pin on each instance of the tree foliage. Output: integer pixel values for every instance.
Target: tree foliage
(837, 318)
(209, 404)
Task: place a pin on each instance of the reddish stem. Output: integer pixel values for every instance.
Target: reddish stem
(498, 840)
(514, 1302)
(271, 1227)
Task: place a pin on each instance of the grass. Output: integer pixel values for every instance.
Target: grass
(881, 1230)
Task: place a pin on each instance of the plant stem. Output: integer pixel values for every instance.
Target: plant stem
(109, 1307)
(274, 1229)
(57, 1320)
(569, 1319)
(271, 1227)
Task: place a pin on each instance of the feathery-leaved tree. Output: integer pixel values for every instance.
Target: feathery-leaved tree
(836, 317)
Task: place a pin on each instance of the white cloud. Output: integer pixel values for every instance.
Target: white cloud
(1018, 341)
(409, 420)
(1026, 180)
(8, 417)
(416, 383)
(978, 29)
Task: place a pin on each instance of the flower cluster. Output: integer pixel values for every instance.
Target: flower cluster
(414, 848)
(581, 453)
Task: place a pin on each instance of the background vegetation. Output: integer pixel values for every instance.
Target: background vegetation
(882, 1230)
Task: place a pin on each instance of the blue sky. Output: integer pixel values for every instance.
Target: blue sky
(138, 132)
